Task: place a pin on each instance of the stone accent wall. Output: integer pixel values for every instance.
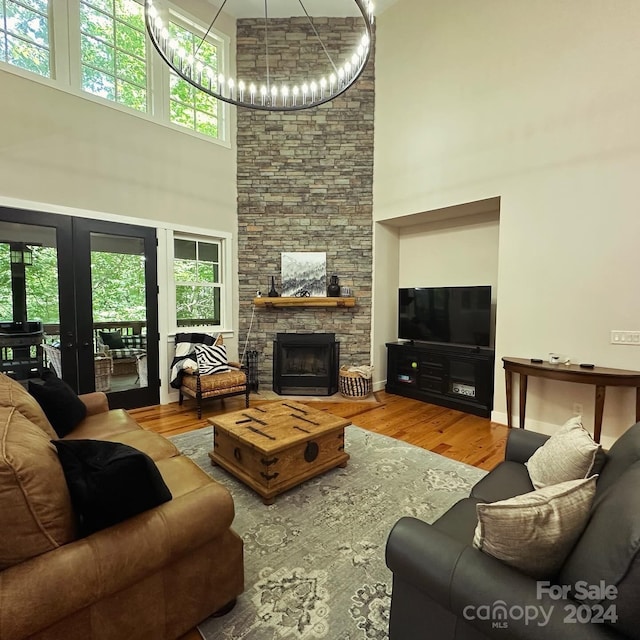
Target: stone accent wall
(305, 184)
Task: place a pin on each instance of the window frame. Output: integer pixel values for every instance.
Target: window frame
(66, 70)
(224, 268)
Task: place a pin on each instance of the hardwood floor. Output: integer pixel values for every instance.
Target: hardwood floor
(460, 436)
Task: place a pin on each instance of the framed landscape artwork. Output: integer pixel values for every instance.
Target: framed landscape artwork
(304, 273)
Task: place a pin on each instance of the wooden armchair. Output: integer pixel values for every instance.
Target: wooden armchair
(223, 384)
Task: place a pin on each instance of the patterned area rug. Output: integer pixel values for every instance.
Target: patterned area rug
(314, 560)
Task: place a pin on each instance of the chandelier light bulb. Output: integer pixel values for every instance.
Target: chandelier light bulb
(309, 94)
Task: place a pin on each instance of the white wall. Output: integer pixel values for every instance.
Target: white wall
(450, 253)
(535, 103)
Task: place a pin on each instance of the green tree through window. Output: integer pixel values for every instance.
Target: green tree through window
(24, 35)
(196, 269)
(113, 51)
(189, 106)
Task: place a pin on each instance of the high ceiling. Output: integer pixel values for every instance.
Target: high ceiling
(285, 8)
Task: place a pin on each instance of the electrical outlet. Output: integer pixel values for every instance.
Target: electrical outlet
(577, 409)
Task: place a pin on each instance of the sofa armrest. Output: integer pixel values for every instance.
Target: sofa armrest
(83, 572)
(522, 444)
(96, 402)
(423, 556)
(477, 588)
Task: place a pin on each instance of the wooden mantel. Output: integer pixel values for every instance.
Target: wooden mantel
(270, 303)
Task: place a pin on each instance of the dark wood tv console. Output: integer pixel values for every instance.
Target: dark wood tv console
(453, 376)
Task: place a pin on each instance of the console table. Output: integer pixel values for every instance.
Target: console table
(599, 377)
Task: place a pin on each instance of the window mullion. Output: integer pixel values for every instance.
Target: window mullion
(157, 83)
(75, 65)
(59, 13)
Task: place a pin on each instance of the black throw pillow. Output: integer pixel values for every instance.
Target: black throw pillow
(59, 401)
(109, 482)
(113, 339)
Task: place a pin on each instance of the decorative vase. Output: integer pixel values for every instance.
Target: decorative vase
(272, 292)
(333, 290)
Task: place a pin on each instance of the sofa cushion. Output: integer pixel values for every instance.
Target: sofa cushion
(112, 339)
(13, 394)
(609, 550)
(460, 520)
(101, 426)
(623, 454)
(569, 454)
(60, 403)
(35, 509)
(535, 532)
(507, 480)
(109, 482)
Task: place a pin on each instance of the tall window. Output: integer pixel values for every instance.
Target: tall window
(106, 41)
(24, 35)
(113, 51)
(196, 269)
(188, 106)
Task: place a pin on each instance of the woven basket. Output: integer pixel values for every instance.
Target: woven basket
(103, 367)
(352, 384)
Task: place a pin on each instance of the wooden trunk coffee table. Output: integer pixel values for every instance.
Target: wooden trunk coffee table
(277, 446)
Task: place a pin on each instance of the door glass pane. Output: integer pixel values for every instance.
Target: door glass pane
(119, 312)
(29, 306)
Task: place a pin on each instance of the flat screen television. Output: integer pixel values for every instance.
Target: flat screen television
(453, 315)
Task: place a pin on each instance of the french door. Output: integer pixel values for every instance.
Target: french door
(93, 287)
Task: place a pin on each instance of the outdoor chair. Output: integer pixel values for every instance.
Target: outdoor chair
(201, 370)
(103, 366)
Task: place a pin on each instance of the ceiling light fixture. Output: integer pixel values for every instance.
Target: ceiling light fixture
(301, 90)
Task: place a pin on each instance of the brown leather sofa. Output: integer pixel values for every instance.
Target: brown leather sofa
(153, 576)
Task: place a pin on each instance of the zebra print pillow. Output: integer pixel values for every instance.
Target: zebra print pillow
(211, 359)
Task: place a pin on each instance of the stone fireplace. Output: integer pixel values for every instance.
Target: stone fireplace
(306, 364)
(305, 183)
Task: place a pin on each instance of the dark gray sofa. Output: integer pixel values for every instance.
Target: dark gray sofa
(443, 588)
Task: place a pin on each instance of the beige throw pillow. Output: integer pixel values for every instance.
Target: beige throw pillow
(569, 454)
(535, 532)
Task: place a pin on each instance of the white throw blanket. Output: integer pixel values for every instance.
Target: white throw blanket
(365, 371)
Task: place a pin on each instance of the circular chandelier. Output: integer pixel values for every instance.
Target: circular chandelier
(302, 91)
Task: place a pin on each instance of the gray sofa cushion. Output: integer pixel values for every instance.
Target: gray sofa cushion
(624, 453)
(460, 520)
(507, 480)
(609, 548)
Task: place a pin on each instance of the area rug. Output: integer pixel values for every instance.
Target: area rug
(314, 560)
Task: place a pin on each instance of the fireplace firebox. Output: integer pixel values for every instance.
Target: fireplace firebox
(305, 364)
